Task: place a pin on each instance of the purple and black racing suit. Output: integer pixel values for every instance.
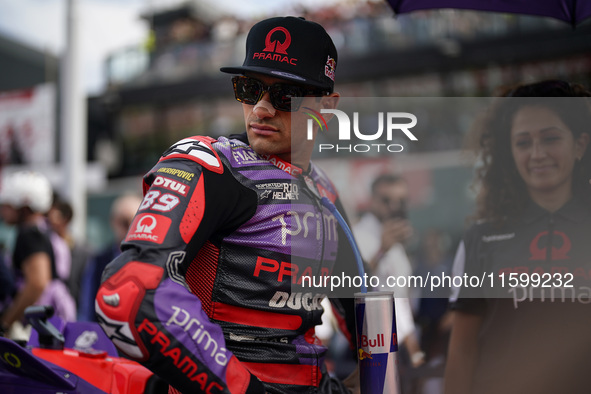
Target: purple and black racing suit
(209, 291)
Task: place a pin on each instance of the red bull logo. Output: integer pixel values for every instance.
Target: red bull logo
(378, 341)
(330, 67)
(364, 355)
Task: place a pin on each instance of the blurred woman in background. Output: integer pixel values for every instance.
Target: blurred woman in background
(528, 331)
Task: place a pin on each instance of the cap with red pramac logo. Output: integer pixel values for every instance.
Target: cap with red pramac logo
(290, 48)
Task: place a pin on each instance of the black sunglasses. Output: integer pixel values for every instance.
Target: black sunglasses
(551, 88)
(284, 97)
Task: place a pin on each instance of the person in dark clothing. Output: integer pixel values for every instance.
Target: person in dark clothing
(528, 331)
(60, 216)
(208, 290)
(25, 197)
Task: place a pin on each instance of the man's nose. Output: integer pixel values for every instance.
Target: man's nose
(264, 108)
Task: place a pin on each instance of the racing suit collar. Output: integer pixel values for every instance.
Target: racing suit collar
(574, 210)
(286, 166)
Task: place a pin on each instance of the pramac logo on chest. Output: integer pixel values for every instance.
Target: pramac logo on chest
(560, 245)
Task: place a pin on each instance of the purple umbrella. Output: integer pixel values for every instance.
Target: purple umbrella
(570, 11)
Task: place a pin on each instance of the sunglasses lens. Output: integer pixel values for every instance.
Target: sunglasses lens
(247, 90)
(283, 96)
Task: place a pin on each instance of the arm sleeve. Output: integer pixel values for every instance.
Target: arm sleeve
(144, 304)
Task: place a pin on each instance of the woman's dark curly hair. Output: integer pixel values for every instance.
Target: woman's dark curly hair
(502, 191)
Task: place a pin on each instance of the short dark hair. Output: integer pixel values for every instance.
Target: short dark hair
(64, 207)
(385, 179)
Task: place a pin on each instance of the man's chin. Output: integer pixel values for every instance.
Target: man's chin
(263, 147)
(262, 150)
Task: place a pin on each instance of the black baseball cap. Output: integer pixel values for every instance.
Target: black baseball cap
(290, 48)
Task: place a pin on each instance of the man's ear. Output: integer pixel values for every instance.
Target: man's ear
(330, 102)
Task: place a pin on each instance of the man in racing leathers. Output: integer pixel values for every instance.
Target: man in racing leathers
(208, 292)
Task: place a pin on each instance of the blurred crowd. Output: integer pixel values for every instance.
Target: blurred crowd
(361, 25)
(42, 262)
(194, 44)
(385, 237)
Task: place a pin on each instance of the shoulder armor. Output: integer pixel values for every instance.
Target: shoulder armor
(197, 149)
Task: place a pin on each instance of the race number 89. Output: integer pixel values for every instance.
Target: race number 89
(159, 202)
